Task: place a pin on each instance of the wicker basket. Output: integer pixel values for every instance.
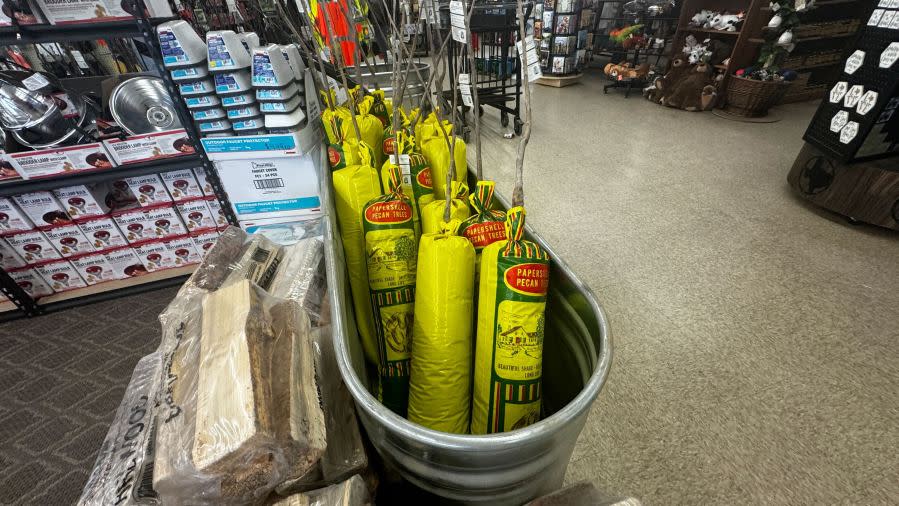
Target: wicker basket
(826, 29)
(751, 98)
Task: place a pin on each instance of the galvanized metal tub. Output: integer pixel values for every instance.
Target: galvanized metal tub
(508, 468)
(383, 77)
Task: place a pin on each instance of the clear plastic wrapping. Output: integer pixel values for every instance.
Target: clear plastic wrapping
(123, 471)
(240, 411)
(351, 492)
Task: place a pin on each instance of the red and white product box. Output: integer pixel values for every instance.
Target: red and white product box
(9, 259)
(60, 275)
(82, 11)
(33, 246)
(184, 250)
(68, 160)
(166, 221)
(80, 201)
(102, 233)
(205, 240)
(155, 255)
(200, 173)
(68, 240)
(7, 171)
(142, 148)
(217, 213)
(42, 208)
(135, 225)
(149, 189)
(196, 215)
(30, 281)
(182, 184)
(11, 218)
(125, 263)
(93, 268)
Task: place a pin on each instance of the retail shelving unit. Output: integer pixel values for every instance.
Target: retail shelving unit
(143, 28)
(562, 41)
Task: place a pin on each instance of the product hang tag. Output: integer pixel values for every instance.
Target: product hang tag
(894, 24)
(465, 89)
(894, 4)
(405, 165)
(79, 59)
(848, 132)
(853, 95)
(875, 17)
(457, 21)
(533, 62)
(35, 82)
(884, 3)
(889, 55)
(854, 62)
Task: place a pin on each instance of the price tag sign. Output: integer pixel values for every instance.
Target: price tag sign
(465, 89)
(889, 55)
(35, 82)
(533, 62)
(79, 59)
(875, 17)
(853, 96)
(405, 165)
(854, 62)
(887, 19)
(838, 92)
(867, 102)
(457, 21)
(849, 132)
(838, 121)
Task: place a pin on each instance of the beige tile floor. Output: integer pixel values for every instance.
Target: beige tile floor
(756, 339)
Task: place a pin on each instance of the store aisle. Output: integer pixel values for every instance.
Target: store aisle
(755, 338)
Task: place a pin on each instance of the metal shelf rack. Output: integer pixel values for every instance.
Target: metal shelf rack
(143, 28)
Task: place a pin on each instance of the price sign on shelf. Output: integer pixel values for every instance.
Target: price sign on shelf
(457, 21)
(465, 89)
(533, 62)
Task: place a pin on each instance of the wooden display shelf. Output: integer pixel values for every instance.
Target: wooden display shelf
(166, 277)
(559, 81)
(709, 30)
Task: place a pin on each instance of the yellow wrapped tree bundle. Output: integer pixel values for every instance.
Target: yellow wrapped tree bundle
(432, 214)
(370, 128)
(415, 175)
(391, 252)
(485, 226)
(379, 108)
(436, 151)
(354, 186)
(508, 362)
(440, 385)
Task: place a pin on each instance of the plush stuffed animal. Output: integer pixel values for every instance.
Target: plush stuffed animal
(664, 85)
(702, 18)
(695, 51)
(695, 91)
(726, 22)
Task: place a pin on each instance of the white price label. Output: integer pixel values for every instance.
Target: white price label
(79, 59)
(854, 62)
(853, 96)
(405, 167)
(849, 132)
(35, 82)
(838, 91)
(465, 90)
(887, 19)
(867, 102)
(875, 17)
(457, 21)
(533, 61)
(838, 121)
(889, 55)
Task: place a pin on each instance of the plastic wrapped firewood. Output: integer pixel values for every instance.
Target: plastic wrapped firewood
(351, 492)
(123, 471)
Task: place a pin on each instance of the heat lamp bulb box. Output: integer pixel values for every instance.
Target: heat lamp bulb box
(196, 215)
(82, 201)
(11, 218)
(68, 240)
(65, 160)
(60, 275)
(147, 147)
(102, 232)
(125, 263)
(9, 259)
(139, 225)
(149, 189)
(93, 267)
(155, 255)
(182, 184)
(95, 11)
(42, 208)
(204, 240)
(268, 176)
(33, 246)
(30, 281)
(184, 249)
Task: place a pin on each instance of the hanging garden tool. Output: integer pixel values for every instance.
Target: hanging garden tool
(511, 312)
(391, 255)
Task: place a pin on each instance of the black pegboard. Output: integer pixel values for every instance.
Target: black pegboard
(876, 134)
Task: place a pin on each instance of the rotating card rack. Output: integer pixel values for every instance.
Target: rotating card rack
(140, 28)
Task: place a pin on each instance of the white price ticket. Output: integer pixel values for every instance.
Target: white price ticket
(533, 62)
(35, 82)
(457, 21)
(887, 19)
(884, 3)
(405, 167)
(79, 59)
(889, 55)
(875, 17)
(465, 89)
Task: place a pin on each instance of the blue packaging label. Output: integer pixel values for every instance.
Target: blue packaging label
(171, 48)
(199, 101)
(206, 114)
(238, 100)
(185, 73)
(194, 87)
(242, 112)
(212, 126)
(263, 73)
(272, 206)
(218, 52)
(270, 94)
(237, 145)
(225, 83)
(274, 107)
(248, 124)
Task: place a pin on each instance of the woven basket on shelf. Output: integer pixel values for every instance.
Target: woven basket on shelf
(751, 98)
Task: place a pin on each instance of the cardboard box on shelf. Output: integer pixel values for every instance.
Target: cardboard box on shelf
(81, 201)
(68, 240)
(267, 176)
(151, 223)
(149, 190)
(102, 232)
(196, 215)
(33, 246)
(60, 275)
(155, 255)
(205, 186)
(125, 263)
(218, 214)
(65, 160)
(166, 221)
(11, 218)
(82, 11)
(93, 267)
(30, 281)
(184, 249)
(9, 258)
(204, 240)
(42, 208)
(182, 184)
(146, 147)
